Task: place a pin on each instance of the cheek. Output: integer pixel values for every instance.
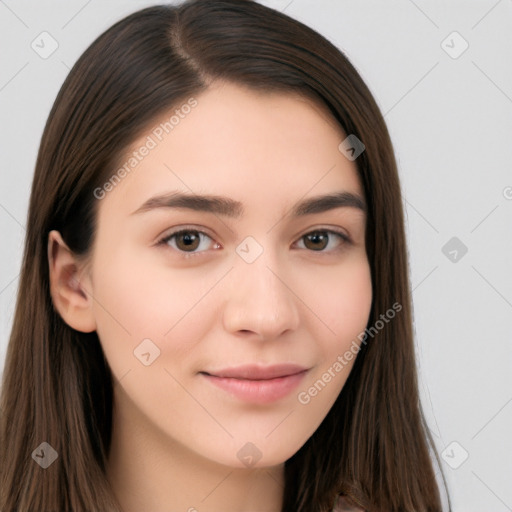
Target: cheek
(136, 300)
(342, 301)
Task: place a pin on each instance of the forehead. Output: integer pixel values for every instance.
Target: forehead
(242, 143)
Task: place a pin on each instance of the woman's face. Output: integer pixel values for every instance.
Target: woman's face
(253, 280)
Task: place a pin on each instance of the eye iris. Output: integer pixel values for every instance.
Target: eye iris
(316, 238)
(187, 240)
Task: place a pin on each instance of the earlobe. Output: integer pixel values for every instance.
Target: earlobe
(70, 294)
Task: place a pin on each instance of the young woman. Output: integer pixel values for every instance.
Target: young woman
(214, 310)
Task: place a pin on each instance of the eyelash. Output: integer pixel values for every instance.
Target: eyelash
(164, 241)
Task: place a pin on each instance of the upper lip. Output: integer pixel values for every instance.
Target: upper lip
(256, 372)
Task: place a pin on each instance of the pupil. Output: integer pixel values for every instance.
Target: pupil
(188, 239)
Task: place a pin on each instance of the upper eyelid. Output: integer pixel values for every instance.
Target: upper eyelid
(177, 231)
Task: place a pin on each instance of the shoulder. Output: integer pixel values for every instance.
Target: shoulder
(342, 506)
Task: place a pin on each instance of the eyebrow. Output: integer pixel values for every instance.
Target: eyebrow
(225, 206)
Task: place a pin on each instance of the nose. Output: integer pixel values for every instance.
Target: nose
(260, 299)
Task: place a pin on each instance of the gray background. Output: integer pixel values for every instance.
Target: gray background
(450, 118)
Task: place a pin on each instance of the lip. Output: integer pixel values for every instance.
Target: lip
(258, 384)
(257, 372)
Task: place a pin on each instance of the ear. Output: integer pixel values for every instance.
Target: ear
(70, 293)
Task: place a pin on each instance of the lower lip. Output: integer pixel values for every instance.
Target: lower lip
(258, 391)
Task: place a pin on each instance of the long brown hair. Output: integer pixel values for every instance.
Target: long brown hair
(373, 446)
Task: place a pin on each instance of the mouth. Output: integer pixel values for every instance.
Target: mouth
(257, 384)
(255, 372)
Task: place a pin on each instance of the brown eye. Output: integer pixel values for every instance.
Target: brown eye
(325, 240)
(317, 240)
(187, 240)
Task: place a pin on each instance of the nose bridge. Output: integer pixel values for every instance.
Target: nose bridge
(259, 300)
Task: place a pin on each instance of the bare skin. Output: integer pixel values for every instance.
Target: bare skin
(177, 437)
